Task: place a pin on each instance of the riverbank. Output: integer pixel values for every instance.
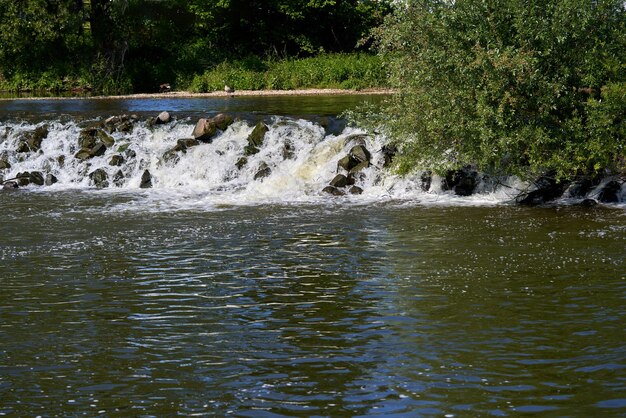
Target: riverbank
(237, 93)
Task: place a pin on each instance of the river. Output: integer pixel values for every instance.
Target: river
(217, 294)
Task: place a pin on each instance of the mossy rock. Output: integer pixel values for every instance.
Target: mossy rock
(257, 135)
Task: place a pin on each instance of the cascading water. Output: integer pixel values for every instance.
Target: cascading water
(295, 162)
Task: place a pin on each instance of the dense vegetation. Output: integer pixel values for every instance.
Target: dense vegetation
(113, 45)
(509, 86)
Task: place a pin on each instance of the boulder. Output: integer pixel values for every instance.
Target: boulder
(360, 153)
(463, 182)
(10, 185)
(222, 121)
(426, 179)
(163, 118)
(355, 190)
(146, 180)
(31, 141)
(263, 171)
(241, 162)
(51, 179)
(23, 179)
(546, 189)
(339, 181)
(183, 144)
(333, 191)
(118, 178)
(99, 178)
(205, 130)
(610, 192)
(116, 160)
(37, 178)
(4, 162)
(83, 154)
(257, 135)
(347, 163)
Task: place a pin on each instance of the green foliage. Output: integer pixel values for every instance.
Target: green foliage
(348, 71)
(507, 85)
(122, 45)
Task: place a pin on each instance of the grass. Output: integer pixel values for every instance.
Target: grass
(344, 71)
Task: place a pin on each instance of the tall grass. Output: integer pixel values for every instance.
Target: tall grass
(344, 71)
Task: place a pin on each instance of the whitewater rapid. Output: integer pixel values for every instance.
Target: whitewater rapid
(298, 156)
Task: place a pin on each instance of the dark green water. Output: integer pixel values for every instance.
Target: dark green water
(307, 310)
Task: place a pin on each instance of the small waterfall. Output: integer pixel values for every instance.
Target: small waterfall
(295, 162)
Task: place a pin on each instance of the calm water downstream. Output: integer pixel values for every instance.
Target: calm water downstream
(125, 303)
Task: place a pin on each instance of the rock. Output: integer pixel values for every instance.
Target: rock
(89, 137)
(204, 131)
(339, 181)
(241, 162)
(99, 178)
(546, 189)
(122, 147)
(51, 179)
(359, 167)
(125, 126)
(610, 192)
(31, 141)
(250, 150)
(333, 191)
(61, 160)
(130, 153)
(118, 178)
(580, 187)
(257, 135)
(162, 118)
(222, 121)
(146, 180)
(23, 179)
(426, 179)
(588, 203)
(389, 152)
(347, 163)
(98, 150)
(183, 144)
(83, 155)
(462, 181)
(357, 139)
(116, 160)
(287, 151)
(355, 190)
(263, 171)
(10, 185)
(360, 153)
(170, 157)
(4, 162)
(37, 178)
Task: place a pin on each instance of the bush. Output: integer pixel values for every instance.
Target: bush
(508, 87)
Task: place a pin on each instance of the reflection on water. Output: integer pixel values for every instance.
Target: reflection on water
(310, 310)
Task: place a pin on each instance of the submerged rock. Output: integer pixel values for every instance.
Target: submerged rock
(116, 160)
(426, 179)
(355, 190)
(146, 180)
(4, 161)
(118, 178)
(10, 185)
(241, 163)
(183, 144)
(588, 203)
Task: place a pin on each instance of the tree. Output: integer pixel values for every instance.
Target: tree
(510, 86)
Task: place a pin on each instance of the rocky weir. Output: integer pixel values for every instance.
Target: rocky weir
(274, 158)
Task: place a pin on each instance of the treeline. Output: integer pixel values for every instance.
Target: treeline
(135, 45)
